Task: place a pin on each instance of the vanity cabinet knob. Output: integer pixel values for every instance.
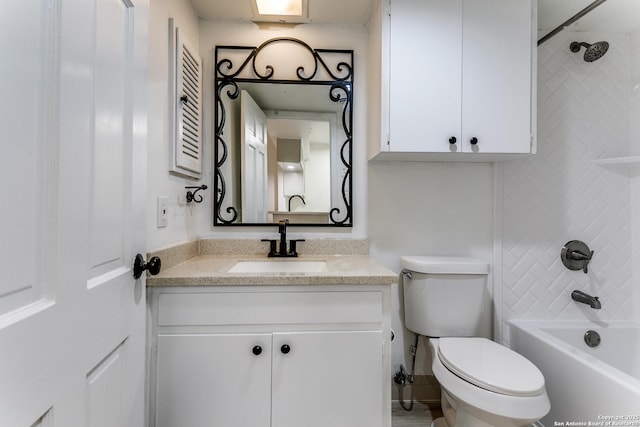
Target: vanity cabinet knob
(257, 350)
(474, 141)
(452, 140)
(285, 349)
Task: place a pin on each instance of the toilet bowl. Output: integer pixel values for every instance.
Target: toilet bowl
(484, 384)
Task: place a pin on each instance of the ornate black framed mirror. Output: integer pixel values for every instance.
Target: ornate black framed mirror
(283, 134)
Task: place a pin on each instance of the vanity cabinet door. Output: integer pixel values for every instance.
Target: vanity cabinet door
(221, 380)
(325, 379)
(460, 76)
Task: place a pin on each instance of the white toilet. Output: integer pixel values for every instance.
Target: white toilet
(483, 383)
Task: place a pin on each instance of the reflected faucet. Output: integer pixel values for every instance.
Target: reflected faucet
(292, 197)
(584, 298)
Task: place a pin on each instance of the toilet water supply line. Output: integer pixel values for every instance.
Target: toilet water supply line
(401, 377)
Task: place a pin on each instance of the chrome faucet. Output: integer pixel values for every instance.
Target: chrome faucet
(584, 298)
(282, 247)
(294, 196)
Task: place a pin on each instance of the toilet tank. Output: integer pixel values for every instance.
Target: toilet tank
(444, 296)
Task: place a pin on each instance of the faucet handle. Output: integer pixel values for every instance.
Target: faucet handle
(292, 246)
(580, 256)
(585, 264)
(576, 255)
(272, 246)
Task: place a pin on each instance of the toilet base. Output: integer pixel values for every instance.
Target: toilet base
(439, 422)
(457, 415)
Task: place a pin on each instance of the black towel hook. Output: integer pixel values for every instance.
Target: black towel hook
(191, 196)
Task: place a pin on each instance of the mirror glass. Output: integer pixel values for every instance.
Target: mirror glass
(283, 135)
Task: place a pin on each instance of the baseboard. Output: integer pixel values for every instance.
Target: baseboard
(425, 388)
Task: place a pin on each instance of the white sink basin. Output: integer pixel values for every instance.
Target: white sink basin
(279, 266)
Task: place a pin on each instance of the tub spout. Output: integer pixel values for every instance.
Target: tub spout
(584, 298)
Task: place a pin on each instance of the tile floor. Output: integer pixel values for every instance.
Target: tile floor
(420, 415)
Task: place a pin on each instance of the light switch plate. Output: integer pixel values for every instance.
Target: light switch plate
(163, 212)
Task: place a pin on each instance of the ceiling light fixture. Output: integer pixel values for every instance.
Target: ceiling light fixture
(294, 11)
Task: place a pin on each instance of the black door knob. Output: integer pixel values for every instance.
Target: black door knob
(139, 266)
(285, 349)
(257, 350)
(474, 141)
(452, 140)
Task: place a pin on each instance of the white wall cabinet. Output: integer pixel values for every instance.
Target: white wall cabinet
(457, 79)
(288, 357)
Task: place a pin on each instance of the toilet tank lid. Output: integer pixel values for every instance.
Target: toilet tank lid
(444, 265)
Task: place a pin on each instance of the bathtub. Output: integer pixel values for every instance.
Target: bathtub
(586, 386)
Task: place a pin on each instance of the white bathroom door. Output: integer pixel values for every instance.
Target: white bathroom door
(253, 143)
(73, 138)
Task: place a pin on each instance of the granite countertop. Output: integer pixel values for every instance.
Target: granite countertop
(204, 264)
(210, 270)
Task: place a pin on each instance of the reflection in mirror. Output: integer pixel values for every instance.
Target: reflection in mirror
(283, 134)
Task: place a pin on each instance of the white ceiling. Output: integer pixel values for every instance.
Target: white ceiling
(353, 12)
(611, 16)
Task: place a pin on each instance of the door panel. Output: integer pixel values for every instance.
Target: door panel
(497, 72)
(213, 380)
(426, 67)
(105, 385)
(111, 139)
(327, 379)
(71, 351)
(254, 160)
(28, 161)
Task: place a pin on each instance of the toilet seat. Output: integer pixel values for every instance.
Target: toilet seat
(491, 366)
(527, 409)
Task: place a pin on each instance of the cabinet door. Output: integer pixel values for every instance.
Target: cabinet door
(425, 75)
(213, 381)
(327, 379)
(496, 76)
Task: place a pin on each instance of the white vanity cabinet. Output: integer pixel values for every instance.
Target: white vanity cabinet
(285, 356)
(457, 78)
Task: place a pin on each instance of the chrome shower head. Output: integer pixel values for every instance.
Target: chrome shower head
(594, 51)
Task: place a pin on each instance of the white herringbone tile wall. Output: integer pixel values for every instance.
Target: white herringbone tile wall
(559, 195)
(634, 131)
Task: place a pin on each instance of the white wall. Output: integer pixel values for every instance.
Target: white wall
(427, 209)
(182, 225)
(560, 195)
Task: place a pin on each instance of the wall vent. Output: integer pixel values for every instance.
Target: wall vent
(185, 97)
